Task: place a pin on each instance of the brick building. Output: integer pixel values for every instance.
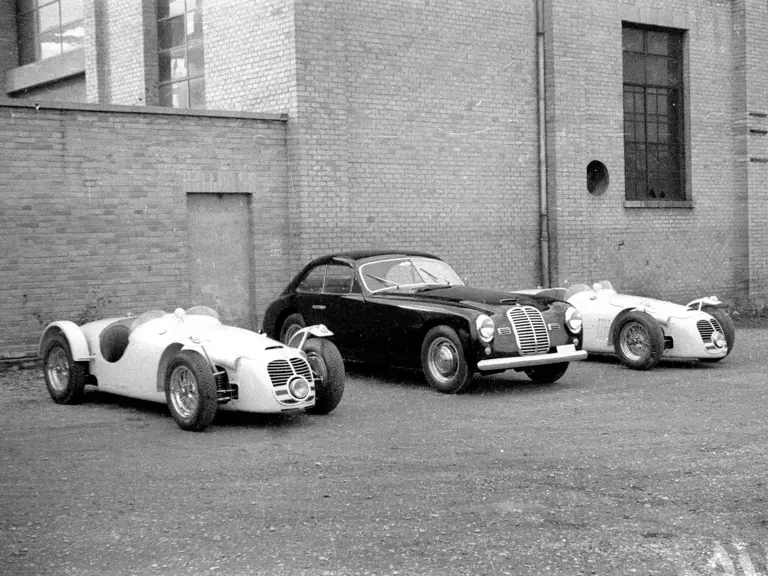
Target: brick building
(527, 142)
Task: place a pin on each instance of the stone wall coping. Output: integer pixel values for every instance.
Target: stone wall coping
(150, 110)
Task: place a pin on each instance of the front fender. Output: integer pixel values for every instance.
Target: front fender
(317, 330)
(78, 345)
(706, 301)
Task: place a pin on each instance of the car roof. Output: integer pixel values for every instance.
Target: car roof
(356, 255)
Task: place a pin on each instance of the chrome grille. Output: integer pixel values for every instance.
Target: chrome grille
(530, 329)
(282, 371)
(706, 328)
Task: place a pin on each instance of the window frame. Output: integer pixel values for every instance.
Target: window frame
(669, 147)
(30, 45)
(189, 83)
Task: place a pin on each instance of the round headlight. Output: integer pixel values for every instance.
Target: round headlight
(485, 327)
(718, 339)
(299, 387)
(573, 320)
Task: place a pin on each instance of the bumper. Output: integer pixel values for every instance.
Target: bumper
(565, 353)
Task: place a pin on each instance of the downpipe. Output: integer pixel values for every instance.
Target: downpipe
(544, 280)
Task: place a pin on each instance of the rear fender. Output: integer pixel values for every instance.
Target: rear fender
(78, 345)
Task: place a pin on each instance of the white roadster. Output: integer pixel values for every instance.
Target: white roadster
(193, 363)
(641, 331)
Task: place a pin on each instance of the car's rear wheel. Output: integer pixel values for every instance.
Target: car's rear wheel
(190, 391)
(639, 341)
(443, 360)
(292, 324)
(325, 360)
(547, 373)
(729, 329)
(64, 378)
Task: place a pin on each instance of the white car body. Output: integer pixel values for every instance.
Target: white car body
(130, 356)
(688, 330)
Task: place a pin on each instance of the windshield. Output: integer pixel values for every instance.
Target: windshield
(407, 274)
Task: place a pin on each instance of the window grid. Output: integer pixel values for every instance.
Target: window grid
(653, 121)
(48, 28)
(181, 54)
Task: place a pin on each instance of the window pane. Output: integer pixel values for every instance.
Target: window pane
(71, 11)
(174, 95)
(634, 69)
(657, 43)
(313, 282)
(656, 71)
(72, 36)
(632, 40)
(338, 279)
(165, 66)
(178, 63)
(50, 45)
(197, 93)
(171, 33)
(166, 8)
(196, 59)
(49, 17)
(194, 26)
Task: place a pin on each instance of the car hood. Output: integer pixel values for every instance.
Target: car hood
(477, 298)
(660, 306)
(224, 343)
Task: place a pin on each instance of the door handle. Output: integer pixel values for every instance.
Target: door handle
(318, 307)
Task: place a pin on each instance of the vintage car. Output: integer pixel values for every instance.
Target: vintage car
(193, 363)
(411, 309)
(641, 331)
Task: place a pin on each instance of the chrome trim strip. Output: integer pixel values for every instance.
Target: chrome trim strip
(566, 353)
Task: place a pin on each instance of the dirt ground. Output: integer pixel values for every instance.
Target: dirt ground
(608, 471)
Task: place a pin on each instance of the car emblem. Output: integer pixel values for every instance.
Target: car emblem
(553, 327)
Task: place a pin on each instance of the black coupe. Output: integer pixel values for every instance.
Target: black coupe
(411, 309)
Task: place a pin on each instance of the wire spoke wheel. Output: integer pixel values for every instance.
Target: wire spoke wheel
(57, 369)
(184, 391)
(635, 341)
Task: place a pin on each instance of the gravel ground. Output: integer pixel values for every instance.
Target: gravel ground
(609, 471)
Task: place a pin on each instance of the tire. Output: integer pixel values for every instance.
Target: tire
(443, 360)
(639, 341)
(64, 378)
(726, 323)
(325, 360)
(291, 325)
(548, 373)
(190, 391)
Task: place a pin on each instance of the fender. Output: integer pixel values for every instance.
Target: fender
(317, 330)
(706, 301)
(616, 321)
(75, 337)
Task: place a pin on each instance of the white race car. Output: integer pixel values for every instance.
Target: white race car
(193, 363)
(641, 331)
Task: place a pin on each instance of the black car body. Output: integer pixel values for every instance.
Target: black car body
(411, 309)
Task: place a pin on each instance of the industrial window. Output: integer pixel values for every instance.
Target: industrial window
(654, 150)
(180, 46)
(48, 28)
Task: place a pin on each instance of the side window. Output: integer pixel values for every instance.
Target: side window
(338, 279)
(313, 281)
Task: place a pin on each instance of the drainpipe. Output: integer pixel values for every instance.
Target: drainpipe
(541, 116)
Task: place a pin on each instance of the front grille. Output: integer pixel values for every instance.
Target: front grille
(280, 373)
(706, 328)
(530, 330)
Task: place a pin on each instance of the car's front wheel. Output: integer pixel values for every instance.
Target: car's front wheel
(443, 360)
(292, 324)
(729, 329)
(190, 391)
(64, 378)
(326, 362)
(639, 341)
(547, 373)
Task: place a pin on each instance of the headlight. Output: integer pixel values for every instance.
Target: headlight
(299, 387)
(718, 339)
(485, 327)
(573, 320)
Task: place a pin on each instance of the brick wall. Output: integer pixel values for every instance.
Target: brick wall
(93, 208)
(674, 253)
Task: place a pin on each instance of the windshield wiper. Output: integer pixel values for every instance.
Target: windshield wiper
(383, 281)
(441, 281)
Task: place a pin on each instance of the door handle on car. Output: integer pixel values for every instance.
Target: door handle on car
(318, 306)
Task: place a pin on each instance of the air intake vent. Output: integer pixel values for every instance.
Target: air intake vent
(530, 330)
